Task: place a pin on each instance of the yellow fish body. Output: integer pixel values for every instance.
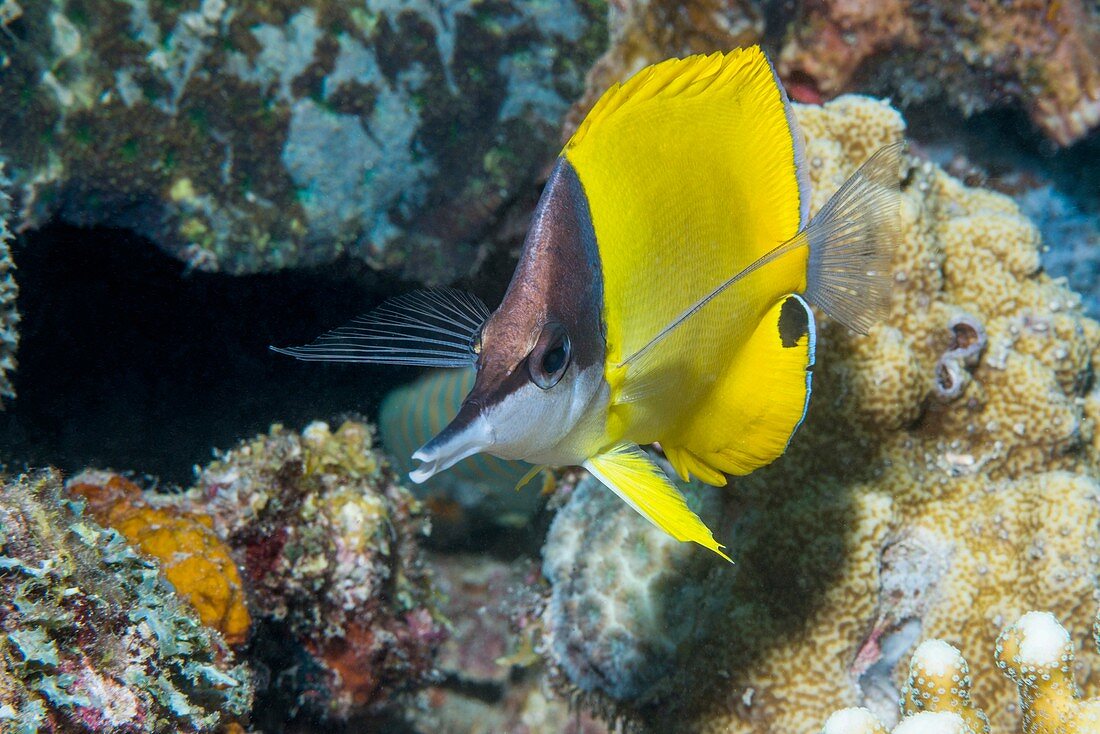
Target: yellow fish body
(661, 296)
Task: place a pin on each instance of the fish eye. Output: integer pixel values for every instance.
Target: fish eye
(550, 357)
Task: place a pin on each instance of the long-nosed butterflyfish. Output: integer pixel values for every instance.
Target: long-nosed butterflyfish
(662, 294)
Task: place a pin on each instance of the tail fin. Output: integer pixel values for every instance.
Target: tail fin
(852, 241)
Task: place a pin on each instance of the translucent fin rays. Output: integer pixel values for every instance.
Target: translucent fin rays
(427, 328)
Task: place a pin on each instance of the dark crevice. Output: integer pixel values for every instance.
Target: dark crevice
(130, 363)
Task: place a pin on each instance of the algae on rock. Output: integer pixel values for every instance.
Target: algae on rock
(92, 635)
(943, 483)
(245, 135)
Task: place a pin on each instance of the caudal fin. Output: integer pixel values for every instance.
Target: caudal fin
(852, 241)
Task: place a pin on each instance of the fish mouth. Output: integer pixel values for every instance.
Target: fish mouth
(460, 439)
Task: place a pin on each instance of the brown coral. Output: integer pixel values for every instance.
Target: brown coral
(192, 556)
(899, 511)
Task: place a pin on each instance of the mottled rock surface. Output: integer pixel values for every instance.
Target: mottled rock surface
(249, 135)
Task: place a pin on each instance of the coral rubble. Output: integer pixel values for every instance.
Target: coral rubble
(329, 545)
(9, 290)
(943, 483)
(192, 556)
(92, 635)
(245, 135)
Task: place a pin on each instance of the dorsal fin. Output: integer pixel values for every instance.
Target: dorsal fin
(428, 328)
(691, 170)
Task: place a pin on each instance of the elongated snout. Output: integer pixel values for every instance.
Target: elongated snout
(465, 436)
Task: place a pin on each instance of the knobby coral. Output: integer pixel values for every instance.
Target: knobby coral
(942, 484)
(1035, 652)
(92, 636)
(191, 555)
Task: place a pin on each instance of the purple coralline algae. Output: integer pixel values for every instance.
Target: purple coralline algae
(92, 636)
(246, 135)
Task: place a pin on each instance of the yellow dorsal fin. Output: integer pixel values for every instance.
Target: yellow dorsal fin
(692, 171)
(630, 473)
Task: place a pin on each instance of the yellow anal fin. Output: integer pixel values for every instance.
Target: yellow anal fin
(756, 405)
(630, 473)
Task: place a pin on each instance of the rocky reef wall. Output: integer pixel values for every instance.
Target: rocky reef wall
(246, 136)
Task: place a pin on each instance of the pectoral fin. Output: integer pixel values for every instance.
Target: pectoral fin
(632, 475)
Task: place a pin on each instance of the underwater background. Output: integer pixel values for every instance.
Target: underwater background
(197, 534)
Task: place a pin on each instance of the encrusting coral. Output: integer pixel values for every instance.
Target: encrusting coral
(191, 555)
(941, 485)
(1036, 653)
(9, 290)
(92, 636)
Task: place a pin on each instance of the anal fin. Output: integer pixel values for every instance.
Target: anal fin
(756, 405)
(630, 473)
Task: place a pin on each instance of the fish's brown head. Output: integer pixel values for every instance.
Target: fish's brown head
(537, 396)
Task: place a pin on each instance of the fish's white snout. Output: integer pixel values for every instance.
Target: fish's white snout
(450, 447)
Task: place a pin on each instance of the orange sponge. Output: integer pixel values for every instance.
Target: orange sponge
(191, 555)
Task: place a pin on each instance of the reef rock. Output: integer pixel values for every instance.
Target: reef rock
(92, 635)
(1041, 56)
(194, 559)
(244, 135)
(1044, 56)
(942, 485)
(9, 290)
(328, 542)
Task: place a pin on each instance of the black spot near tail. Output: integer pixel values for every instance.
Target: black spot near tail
(794, 322)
